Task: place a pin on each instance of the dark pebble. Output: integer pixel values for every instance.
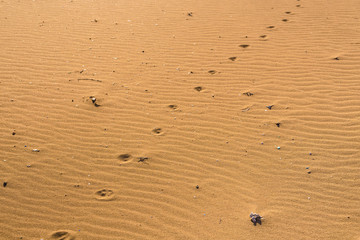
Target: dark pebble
(5, 184)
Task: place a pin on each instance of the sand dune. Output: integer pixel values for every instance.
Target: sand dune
(177, 119)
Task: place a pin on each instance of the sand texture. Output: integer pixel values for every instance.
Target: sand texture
(144, 119)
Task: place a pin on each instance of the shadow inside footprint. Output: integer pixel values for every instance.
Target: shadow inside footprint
(157, 131)
(105, 195)
(125, 158)
(249, 94)
(232, 58)
(143, 159)
(173, 106)
(199, 89)
(244, 45)
(212, 71)
(62, 235)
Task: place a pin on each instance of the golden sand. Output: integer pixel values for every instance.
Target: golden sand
(176, 119)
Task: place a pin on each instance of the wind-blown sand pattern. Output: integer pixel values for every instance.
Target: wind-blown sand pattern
(177, 119)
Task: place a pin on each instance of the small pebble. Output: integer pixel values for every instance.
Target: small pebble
(197, 187)
(5, 184)
(255, 218)
(270, 106)
(278, 148)
(36, 150)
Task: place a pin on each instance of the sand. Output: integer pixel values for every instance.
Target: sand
(177, 119)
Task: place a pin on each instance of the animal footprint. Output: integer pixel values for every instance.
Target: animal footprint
(62, 235)
(199, 89)
(157, 131)
(173, 106)
(125, 158)
(263, 37)
(143, 159)
(249, 94)
(105, 195)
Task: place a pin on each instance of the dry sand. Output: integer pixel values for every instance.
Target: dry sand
(171, 112)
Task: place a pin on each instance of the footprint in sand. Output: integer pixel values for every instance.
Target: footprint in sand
(199, 89)
(173, 106)
(143, 159)
(157, 131)
(125, 158)
(62, 235)
(263, 37)
(249, 94)
(105, 195)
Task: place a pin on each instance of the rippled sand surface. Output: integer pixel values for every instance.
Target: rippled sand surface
(170, 119)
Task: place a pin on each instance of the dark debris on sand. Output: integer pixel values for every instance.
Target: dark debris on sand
(255, 218)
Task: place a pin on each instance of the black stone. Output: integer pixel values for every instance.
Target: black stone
(255, 218)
